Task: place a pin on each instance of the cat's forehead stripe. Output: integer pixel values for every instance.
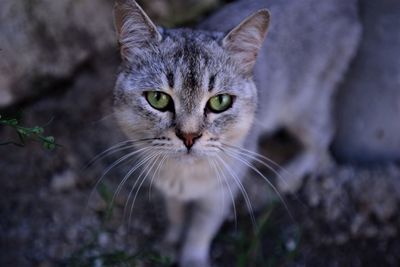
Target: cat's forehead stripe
(192, 58)
(211, 83)
(171, 80)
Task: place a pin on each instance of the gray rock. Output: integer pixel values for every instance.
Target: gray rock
(353, 203)
(48, 39)
(368, 107)
(45, 41)
(64, 181)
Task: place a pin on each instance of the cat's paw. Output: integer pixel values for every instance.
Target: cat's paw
(307, 163)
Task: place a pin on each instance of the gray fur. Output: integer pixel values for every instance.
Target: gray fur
(307, 51)
(296, 74)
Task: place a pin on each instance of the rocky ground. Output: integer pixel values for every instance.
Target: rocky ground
(49, 216)
(53, 214)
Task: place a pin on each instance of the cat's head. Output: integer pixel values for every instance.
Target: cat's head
(186, 91)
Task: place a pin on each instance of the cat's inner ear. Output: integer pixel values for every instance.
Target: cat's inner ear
(134, 28)
(245, 41)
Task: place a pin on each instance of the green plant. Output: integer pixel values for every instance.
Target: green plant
(91, 253)
(117, 258)
(28, 133)
(268, 245)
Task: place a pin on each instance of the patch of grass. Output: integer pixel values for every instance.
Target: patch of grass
(270, 245)
(92, 254)
(107, 196)
(117, 259)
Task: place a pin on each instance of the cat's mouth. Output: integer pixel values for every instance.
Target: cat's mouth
(187, 157)
(192, 153)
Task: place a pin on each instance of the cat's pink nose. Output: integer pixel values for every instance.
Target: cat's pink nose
(188, 138)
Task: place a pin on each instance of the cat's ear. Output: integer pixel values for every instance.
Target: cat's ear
(134, 28)
(245, 41)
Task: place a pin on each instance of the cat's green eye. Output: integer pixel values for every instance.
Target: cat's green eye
(158, 100)
(220, 103)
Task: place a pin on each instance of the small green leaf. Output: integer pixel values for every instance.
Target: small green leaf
(24, 132)
(21, 137)
(12, 122)
(49, 139)
(37, 130)
(48, 142)
(49, 146)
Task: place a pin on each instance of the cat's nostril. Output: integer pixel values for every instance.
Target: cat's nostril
(188, 138)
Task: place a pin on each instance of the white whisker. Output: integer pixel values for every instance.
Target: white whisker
(115, 163)
(230, 192)
(148, 159)
(220, 185)
(115, 148)
(156, 173)
(238, 152)
(259, 156)
(141, 184)
(243, 191)
(251, 166)
(128, 174)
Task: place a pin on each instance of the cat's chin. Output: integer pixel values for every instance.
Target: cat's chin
(192, 155)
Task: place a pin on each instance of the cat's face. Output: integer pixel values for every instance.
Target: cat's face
(188, 92)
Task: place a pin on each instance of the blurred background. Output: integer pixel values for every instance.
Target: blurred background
(58, 64)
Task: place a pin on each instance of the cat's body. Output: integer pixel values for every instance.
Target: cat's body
(297, 71)
(188, 99)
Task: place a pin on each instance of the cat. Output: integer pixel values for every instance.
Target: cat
(188, 102)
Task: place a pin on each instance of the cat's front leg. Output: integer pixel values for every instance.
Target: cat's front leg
(315, 134)
(209, 213)
(308, 162)
(176, 219)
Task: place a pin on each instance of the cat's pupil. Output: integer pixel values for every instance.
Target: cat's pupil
(157, 96)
